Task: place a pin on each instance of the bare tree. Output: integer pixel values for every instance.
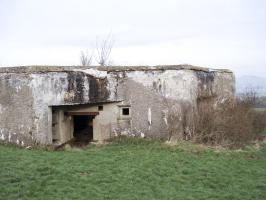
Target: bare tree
(86, 58)
(104, 49)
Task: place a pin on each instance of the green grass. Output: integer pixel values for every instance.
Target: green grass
(133, 169)
(260, 109)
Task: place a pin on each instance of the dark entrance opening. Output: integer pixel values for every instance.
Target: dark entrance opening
(83, 129)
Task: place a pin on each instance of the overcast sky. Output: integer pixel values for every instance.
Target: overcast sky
(210, 33)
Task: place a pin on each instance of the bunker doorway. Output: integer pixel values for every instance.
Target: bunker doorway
(83, 128)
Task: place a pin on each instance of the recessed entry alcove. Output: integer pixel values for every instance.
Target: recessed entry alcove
(81, 124)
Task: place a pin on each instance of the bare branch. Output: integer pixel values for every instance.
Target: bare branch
(86, 58)
(104, 49)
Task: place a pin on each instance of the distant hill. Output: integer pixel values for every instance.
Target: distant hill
(245, 83)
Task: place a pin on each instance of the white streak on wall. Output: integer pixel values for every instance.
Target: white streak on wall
(2, 109)
(165, 115)
(18, 88)
(86, 90)
(149, 118)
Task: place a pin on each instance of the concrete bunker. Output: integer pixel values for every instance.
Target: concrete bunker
(61, 102)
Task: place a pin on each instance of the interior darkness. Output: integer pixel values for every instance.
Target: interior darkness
(100, 108)
(125, 111)
(83, 129)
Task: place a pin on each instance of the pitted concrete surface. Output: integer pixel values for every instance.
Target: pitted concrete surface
(29, 94)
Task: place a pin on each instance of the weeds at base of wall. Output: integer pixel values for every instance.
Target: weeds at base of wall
(231, 124)
(35, 146)
(5, 143)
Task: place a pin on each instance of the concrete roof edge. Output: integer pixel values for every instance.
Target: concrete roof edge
(51, 68)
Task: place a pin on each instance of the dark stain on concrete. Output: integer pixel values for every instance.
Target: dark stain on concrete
(98, 91)
(76, 85)
(205, 84)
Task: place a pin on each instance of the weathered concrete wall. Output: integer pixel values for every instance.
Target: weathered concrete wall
(17, 118)
(153, 94)
(25, 100)
(27, 95)
(149, 93)
(62, 127)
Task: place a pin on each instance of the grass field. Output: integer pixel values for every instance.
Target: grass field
(260, 109)
(133, 169)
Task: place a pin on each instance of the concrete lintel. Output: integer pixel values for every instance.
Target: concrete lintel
(82, 113)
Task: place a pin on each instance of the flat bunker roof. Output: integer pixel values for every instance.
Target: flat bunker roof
(45, 68)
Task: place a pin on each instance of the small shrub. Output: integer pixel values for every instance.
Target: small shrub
(259, 122)
(232, 123)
